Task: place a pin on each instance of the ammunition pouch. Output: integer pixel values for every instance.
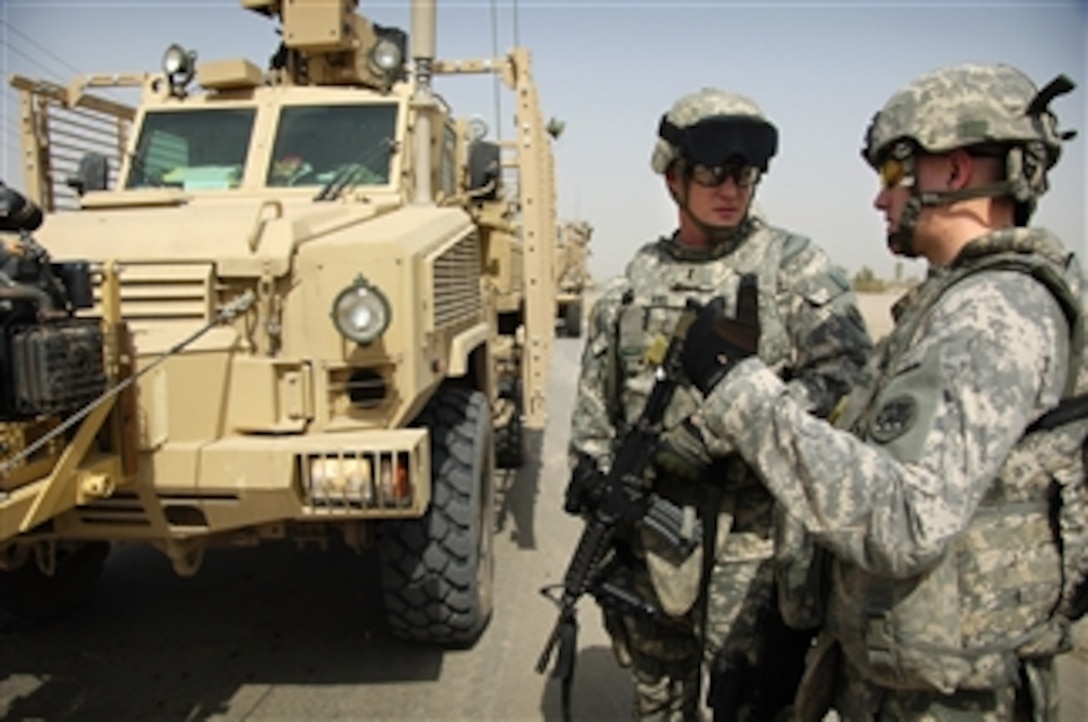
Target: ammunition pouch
(614, 589)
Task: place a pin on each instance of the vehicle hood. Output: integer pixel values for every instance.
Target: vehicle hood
(242, 237)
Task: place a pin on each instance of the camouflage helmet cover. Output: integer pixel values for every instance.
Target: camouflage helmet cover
(699, 106)
(965, 105)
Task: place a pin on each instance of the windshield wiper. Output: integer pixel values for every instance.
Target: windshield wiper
(345, 176)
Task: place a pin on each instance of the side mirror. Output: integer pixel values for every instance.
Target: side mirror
(484, 169)
(93, 174)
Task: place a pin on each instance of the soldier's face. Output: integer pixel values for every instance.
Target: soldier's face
(890, 202)
(895, 181)
(716, 199)
(930, 173)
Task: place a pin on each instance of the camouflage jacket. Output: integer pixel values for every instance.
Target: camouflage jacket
(812, 331)
(945, 566)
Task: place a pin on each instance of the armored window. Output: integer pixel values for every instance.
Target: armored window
(192, 149)
(316, 145)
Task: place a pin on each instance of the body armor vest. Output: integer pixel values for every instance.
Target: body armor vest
(659, 282)
(992, 598)
(659, 285)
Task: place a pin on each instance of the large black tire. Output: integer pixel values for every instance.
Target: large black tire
(437, 571)
(29, 598)
(572, 318)
(510, 438)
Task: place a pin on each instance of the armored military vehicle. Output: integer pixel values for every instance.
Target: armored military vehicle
(572, 275)
(270, 303)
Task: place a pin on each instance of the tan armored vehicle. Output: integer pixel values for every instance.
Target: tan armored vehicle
(271, 304)
(572, 275)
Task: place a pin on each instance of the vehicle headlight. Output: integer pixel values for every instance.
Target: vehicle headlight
(361, 312)
(386, 56)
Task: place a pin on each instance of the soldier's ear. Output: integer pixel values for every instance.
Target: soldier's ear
(675, 182)
(960, 169)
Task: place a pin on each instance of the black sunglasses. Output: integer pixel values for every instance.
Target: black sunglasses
(712, 176)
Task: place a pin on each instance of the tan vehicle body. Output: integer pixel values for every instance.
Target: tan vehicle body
(237, 408)
(572, 275)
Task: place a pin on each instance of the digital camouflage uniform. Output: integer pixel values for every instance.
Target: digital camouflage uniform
(939, 411)
(944, 574)
(811, 331)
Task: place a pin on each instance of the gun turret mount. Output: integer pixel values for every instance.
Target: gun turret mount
(325, 42)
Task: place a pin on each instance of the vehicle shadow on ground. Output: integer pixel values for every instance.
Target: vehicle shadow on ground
(516, 492)
(151, 645)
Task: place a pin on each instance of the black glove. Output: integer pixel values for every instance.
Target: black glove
(585, 487)
(715, 344)
(681, 453)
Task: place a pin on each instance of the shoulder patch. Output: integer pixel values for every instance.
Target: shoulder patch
(896, 417)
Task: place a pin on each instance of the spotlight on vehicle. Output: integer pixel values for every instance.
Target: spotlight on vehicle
(386, 56)
(179, 65)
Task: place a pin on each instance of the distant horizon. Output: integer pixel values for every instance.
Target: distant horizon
(609, 70)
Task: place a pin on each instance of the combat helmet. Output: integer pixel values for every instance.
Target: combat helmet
(713, 128)
(994, 109)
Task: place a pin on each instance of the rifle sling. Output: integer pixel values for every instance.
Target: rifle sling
(564, 662)
(710, 548)
(1068, 410)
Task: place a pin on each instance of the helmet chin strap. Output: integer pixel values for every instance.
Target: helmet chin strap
(901, 240)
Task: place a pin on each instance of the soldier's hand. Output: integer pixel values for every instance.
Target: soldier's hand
(682, 454)
(715, 344)
(584, 488)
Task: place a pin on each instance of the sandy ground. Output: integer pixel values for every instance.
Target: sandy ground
(876, 308)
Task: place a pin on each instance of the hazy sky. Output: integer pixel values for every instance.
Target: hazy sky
(610, 69)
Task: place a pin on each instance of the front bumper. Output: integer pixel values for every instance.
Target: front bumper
(191, 489)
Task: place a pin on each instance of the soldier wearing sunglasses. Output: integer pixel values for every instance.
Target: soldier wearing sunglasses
(937, 529)
(716, 605)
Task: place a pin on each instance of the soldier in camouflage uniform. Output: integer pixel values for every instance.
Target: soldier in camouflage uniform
(713, 148)
(941, 586)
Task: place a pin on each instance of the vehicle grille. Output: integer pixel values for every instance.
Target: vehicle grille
(122, 508)
(163, 291)
(456, 283)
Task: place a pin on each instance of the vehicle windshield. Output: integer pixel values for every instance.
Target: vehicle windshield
(193, 149)
(352, 144)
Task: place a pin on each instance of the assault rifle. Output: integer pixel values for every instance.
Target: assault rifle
(621, 502)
